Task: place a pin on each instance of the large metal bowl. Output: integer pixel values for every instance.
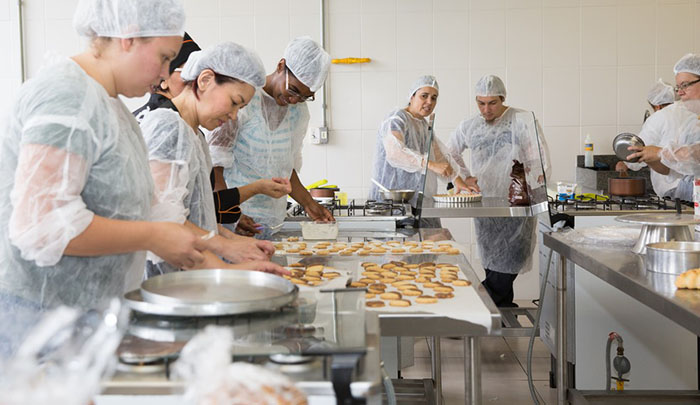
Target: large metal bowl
(398, 195)
(624, 141)
(672, 257)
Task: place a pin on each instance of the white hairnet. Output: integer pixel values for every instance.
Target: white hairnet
(129, 18)
(690, 63)
(423, 81)
(308, 62)
(229, 59)
(661, 93)
(490, 86)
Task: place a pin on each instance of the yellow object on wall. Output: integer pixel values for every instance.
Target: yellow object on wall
(348, 61)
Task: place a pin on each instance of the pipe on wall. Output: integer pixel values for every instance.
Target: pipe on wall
(324, 106)
(20, 24)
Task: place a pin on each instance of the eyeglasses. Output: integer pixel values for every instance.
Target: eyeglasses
(295, 93)
(685, 85)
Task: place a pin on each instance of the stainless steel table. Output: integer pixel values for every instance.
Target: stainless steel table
(487, 207)
(625, 271)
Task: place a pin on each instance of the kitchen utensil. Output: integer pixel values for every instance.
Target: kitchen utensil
(627, 186)
(398, 195)
(672, 257)
(218, 291)
(624, 141)
(317, 184)
(323, 192)
(380, 186)
(315, 230)
(660, 228)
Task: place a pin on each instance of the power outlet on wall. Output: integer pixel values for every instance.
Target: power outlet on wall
(319, 136)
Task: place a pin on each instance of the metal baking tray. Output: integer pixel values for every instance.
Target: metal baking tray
(211, 293)
(672, 257)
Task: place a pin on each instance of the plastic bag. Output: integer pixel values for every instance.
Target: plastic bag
(519, 191)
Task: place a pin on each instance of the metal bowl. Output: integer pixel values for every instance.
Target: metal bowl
(624, 141)
(672, 257)
(398, 195)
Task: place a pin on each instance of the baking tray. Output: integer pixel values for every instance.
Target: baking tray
(211, 293)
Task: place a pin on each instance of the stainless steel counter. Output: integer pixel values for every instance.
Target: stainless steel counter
(487, 207)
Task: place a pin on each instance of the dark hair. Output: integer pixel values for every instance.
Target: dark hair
(218, 79)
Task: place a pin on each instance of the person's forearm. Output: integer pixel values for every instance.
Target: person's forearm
(219, 181)
(299, 193)
(659, 167)
(247, 191)
(106, 236)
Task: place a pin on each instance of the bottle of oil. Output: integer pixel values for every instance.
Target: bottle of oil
(588, 151)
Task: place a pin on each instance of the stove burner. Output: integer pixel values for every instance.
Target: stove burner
(281, 358)
(615, 203)
(300, 330)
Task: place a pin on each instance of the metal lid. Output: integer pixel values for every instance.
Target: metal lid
(624, 141)
(661, 219)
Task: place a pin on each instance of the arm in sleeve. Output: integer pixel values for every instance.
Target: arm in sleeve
(455, 148)
(227, 205)
(684, 159)
(221, 142)
(401, 156)
(651, 134)
(298, 136)
(439, 155)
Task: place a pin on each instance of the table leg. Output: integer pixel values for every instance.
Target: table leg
(562, 377)
(472, 371)
(436, 358)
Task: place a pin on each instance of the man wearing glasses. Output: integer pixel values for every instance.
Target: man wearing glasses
(659, 131)
(266, 140)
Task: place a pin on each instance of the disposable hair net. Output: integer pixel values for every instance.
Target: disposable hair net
(308, 62)
(402, 155)
(68, 152)
(64, 358)
(682, 154)
(490, 86)
(505, 244)
(423, 81)
(211, 379)
(264, 142)
(188, 46)
(129, 18)
(661, 93)
(180, 166)
(690, 63)
(229, 59)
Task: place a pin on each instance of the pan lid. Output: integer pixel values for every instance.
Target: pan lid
(663, 219)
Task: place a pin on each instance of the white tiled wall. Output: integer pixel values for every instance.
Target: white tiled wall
(583, 66)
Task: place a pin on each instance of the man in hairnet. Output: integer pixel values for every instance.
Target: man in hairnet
(496, 136)
(266, 140)
(659, 131)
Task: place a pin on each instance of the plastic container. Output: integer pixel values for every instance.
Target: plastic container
(588, 151)
(566, 191)
(315, 230)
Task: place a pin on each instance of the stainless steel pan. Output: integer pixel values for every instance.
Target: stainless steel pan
(672, 257)
(398, 195)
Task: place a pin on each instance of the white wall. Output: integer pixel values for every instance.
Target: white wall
(583, 66)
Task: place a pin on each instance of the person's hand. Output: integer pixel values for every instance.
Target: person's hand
(540, 179)
(646, 154)
(226, 233)
(265, 245)
(177, 244)
(247, 227)
(275, 187)
(441, 169)
(621, 167)
(317, 212)
(237, 251)
(265, 267)
(469, 185)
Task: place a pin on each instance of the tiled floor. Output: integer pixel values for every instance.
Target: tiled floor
(503, 365)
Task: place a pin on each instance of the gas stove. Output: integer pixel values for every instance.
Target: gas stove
(617, 204)
(355, 208)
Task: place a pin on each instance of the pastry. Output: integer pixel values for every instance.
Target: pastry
(405, 277)
(293, 239)
(426, 299)
(444, 295)
(298, 281)
(405, 287)
(387, 279)
(374, 304)
(345, 253)
(443, 289)
(400, 303)
(398, 251)
(306, 253)
(411, 266)
(689, 279)
(331, 274)
(389, 274)
(415, 250)
(357, 284)
(412, 292)
(388, 266)
(296, 265)
(291, 250)
(370, 295)
(363, 252)
(311, 278)
(432, 285)
(390, 296)
(366, 280)
(367, 264)
(462, 283)
(373, 276)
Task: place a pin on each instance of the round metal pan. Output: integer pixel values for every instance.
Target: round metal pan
(672, 257)
(624, 141)
(398, 195)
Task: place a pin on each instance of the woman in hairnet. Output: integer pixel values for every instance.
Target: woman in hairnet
(496, 136)
(266, 140)
(404, 149)
(659, 131)
(218, 83)
(76, 190)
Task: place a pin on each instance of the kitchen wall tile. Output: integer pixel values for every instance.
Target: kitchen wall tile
(344, 7)
(454, 92)
(670, 2)
(344, 153)
(305, 25)
(486, 4)
(204, 30)
(563, 148)
(598, 3)
(60, 9)
(378, 6)
(305, 7)
(414, 40)
(34, 10)
(674, 33)
(378, 42)
(378, 97)
(451, 41)
(404, 81)
(6, 10)
(272, 7)
(561, 97)
(34, 46)
(666, 73)
(195, 8)
(634, 41)
(599, 36)
(315, 111)
(634, 129)
(525, 89)
(523, 3)
(451, 5)
(560, 3)
(369, 150)
(602, 137)
(487, 24)
(414, 6)
(237, 7)
(632, 95)
(314, 159)
(561, 36)
(345, 39)
(271, 37)
(598, 96)
(345, 101)
(524, 37)
(63, 39)
(239, 29)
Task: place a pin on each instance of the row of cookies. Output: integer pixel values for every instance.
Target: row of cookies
(363, 248)
(314, 275)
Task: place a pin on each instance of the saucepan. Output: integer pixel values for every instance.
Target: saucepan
(394, 195)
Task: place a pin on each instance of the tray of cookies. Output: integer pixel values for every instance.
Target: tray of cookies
(315, 275)
(295, 246)
(457, 198)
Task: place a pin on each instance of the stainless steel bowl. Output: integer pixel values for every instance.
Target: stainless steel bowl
(651, 234)
(398, 195)
(672, 257)
(624, 141)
